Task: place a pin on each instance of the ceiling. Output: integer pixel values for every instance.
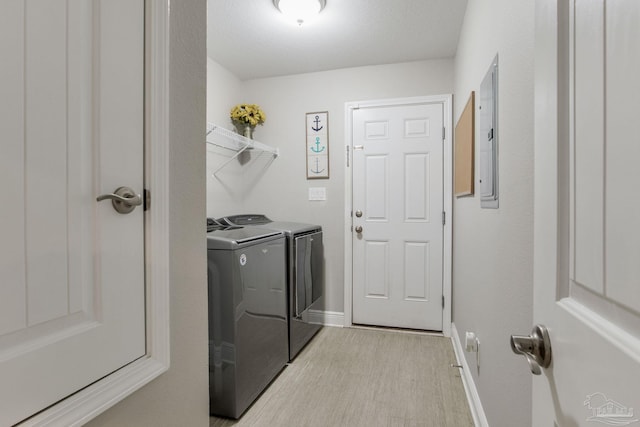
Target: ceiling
(252, 39)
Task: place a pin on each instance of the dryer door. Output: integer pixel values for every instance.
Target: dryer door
(309, 270)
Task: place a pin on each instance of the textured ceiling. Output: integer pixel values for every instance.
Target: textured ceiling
(251, 38)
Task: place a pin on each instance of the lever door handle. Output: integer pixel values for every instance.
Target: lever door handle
(124, 200)
(536, 348)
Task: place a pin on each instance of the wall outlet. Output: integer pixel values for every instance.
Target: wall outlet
(470, 342)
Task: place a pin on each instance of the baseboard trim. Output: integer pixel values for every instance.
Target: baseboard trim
(475, 405)
(326, 318)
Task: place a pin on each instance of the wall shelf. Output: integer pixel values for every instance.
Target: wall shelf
(230, 140)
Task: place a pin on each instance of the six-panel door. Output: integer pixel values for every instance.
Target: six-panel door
(71, 269)
(398, 190)
(587, 234)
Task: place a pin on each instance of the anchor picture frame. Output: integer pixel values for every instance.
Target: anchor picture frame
(317, 142)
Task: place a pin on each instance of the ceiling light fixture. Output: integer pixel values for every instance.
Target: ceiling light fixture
(300, 11)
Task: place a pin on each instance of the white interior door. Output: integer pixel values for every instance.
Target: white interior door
(397, 216)
(587, 211)
(71, 269)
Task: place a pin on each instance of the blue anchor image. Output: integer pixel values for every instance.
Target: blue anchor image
(317, 128)
(317, 148)
(317, 170)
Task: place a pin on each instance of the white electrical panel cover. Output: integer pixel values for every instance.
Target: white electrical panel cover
(488, 138)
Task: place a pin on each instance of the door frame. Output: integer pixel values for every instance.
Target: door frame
(86, 404)
(447, 108)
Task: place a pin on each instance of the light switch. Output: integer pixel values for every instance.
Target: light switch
(317, 193)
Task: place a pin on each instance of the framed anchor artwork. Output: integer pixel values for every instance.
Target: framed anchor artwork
(318, 145)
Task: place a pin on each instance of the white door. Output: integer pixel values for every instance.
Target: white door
(587, 211)
(397, 216)
(71, 268)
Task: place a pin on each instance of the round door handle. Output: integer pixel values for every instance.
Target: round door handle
(124, 199)
(358, 213)
(358, 229)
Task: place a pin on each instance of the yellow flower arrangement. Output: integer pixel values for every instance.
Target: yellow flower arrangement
(250, 114)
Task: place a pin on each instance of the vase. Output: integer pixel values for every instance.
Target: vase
(245, 129)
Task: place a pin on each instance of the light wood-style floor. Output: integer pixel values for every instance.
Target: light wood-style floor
(362, 377)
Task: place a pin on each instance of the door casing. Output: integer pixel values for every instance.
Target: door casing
(86, 404)
(447, 104)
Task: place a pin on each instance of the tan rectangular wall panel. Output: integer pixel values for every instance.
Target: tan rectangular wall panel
(463, 154)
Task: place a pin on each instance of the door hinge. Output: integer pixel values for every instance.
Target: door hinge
(348, 156)
(444, 133)
(146, 200)
(444, 217)
(442, 301)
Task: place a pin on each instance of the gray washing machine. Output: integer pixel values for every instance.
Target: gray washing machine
(248, 335)
(305, 272)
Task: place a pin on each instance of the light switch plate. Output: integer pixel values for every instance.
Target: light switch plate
(317, 193)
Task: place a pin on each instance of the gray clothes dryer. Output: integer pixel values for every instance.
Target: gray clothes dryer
(305, 272)
(248, 342)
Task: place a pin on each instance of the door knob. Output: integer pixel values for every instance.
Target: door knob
(358, 229)
(358, 213)
(124, 199)
(536, 348)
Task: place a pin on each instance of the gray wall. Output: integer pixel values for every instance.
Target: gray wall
(280, 188)
(180, 396)
(493, 249)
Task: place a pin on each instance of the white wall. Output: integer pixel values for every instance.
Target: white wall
(225, 190)
(493, 252)
(223, 89)
(180, 397)
(280, 188)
